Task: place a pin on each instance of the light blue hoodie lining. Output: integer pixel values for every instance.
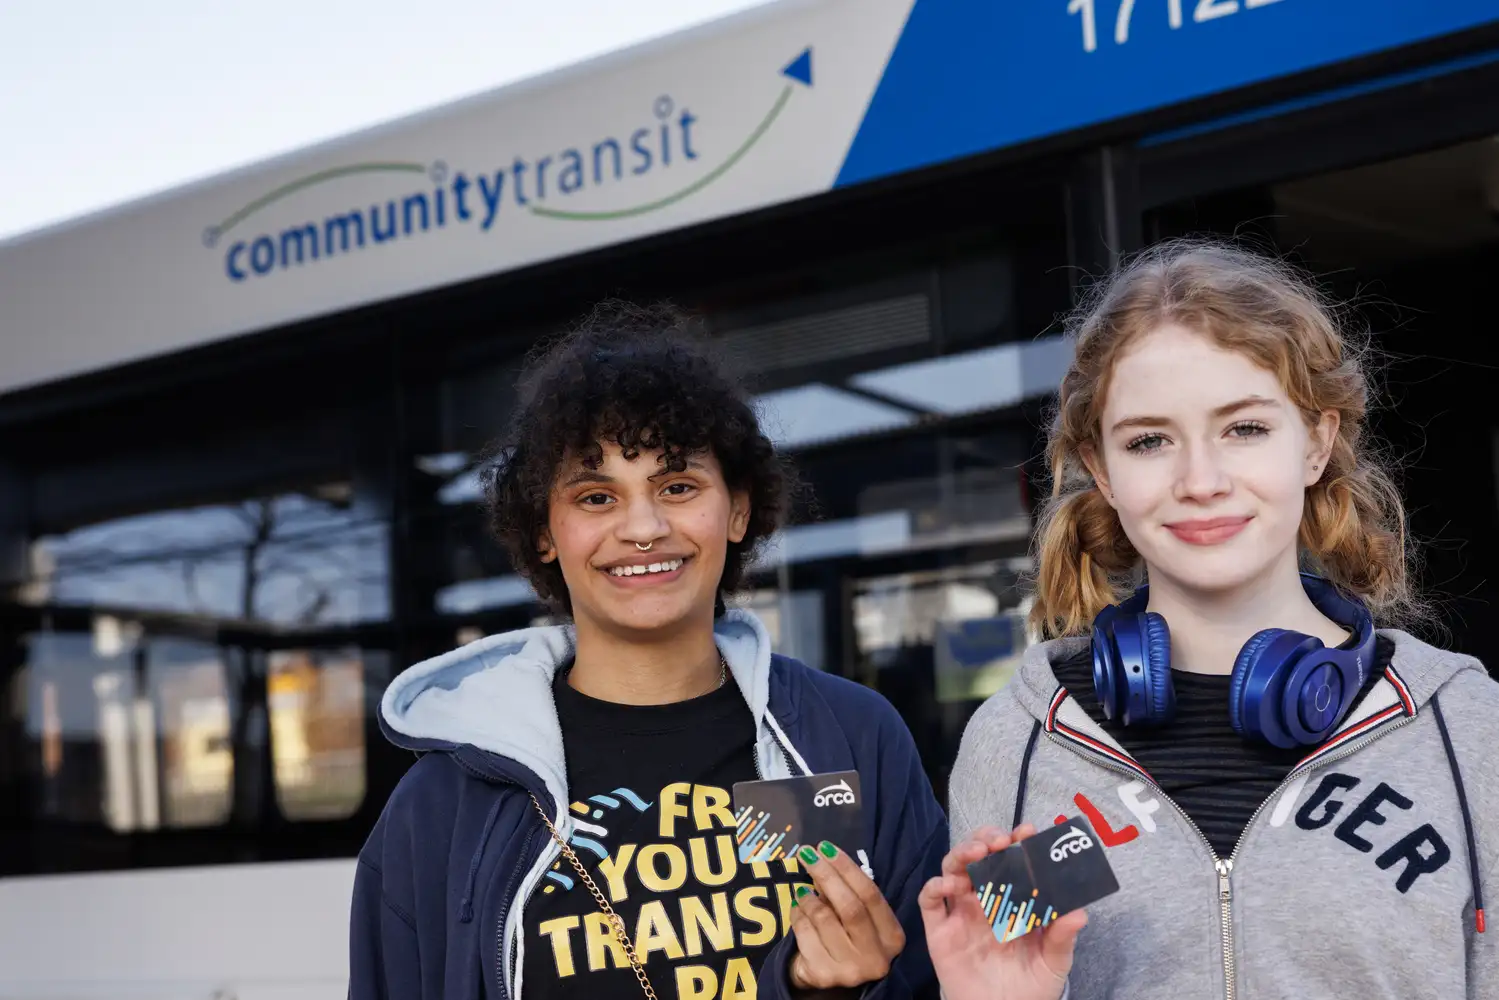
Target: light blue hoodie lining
(496, 694)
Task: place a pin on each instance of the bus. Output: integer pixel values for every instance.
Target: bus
(241, 423)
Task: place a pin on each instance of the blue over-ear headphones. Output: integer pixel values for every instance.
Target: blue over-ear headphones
(1288, 689)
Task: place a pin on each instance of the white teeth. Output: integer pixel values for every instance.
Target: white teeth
(660, 567)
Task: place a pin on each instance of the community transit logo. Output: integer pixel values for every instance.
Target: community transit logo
(539, 185)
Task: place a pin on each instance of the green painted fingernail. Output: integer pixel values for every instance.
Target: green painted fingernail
(808, 856)
(828, 850)
(801, 891)
(793, 904)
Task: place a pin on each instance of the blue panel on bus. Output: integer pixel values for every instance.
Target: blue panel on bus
(974, 75)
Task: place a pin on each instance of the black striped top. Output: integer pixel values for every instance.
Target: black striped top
(1217, 777)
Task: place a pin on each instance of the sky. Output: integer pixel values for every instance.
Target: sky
(102, 103)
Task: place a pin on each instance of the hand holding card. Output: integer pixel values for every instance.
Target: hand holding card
(1031, 883)
(974, 959)
(846, 933)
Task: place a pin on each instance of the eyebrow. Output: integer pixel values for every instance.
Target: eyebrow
(593, 477)
(588, 476)
(1227, 409)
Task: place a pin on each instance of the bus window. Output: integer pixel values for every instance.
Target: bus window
(128, 733)
(298, 559)
(792, 618)
(190, 694)
(316, 701)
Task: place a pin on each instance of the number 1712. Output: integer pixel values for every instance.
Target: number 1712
(1205, 10)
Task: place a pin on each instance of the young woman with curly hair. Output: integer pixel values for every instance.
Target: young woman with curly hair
(1293, 799)
(569, 831)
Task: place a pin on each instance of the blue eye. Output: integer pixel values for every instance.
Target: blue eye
(1146, 442)
(1248, 428)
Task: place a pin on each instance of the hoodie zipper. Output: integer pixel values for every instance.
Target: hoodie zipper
(502, 953)
(519, 908)
(1223, 867)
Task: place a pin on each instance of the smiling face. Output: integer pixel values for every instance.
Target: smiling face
(1206, 460)
(599, 515)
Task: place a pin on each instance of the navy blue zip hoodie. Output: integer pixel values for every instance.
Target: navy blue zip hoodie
(444, 878)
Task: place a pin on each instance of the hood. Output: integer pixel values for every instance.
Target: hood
(495, 694)
(1416, 672)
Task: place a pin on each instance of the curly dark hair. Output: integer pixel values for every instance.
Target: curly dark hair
(643, 378)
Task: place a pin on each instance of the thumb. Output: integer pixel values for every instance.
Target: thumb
(1059, 940)
(933, 902)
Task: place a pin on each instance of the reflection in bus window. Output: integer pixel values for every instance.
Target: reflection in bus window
(967, 622)
(128, 733)
(294, 559)
(793, 619)
(190, 694)
(317, 732)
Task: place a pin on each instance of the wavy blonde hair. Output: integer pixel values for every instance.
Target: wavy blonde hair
(1353, 529)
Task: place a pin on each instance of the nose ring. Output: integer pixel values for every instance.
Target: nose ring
(644, 548)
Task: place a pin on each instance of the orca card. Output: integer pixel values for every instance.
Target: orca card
(777, 817)
(1028, 885)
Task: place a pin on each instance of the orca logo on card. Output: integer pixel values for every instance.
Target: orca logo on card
(1074, 841)
(834, 795)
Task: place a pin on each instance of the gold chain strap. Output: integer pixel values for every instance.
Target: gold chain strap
(614, 918)
(598, 896)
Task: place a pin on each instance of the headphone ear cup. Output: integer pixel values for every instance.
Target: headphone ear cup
(1160, 693)
(1108, 684)
(1243, 666)
(1256, 693)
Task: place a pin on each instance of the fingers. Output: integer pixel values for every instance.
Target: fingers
(980, 844)
(1022, 831)
(949, 895)
(811, 951)
(932, 901)
(825, 958)
(842, 901)
(975, 848)
(1058, 941)
(871, 903)
(985, 834)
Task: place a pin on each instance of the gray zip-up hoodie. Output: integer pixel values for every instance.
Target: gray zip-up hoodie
(1356, 878)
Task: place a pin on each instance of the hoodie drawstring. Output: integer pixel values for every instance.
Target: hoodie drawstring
(1025, 773)
(466, 906)
(1462, 804)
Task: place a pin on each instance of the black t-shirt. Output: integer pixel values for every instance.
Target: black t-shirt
(652, 791)
(1217, 776)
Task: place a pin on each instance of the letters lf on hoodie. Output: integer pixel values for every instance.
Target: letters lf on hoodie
(442, 884)
(1356, 878)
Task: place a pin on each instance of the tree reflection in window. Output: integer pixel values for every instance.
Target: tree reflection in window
(296, 559)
